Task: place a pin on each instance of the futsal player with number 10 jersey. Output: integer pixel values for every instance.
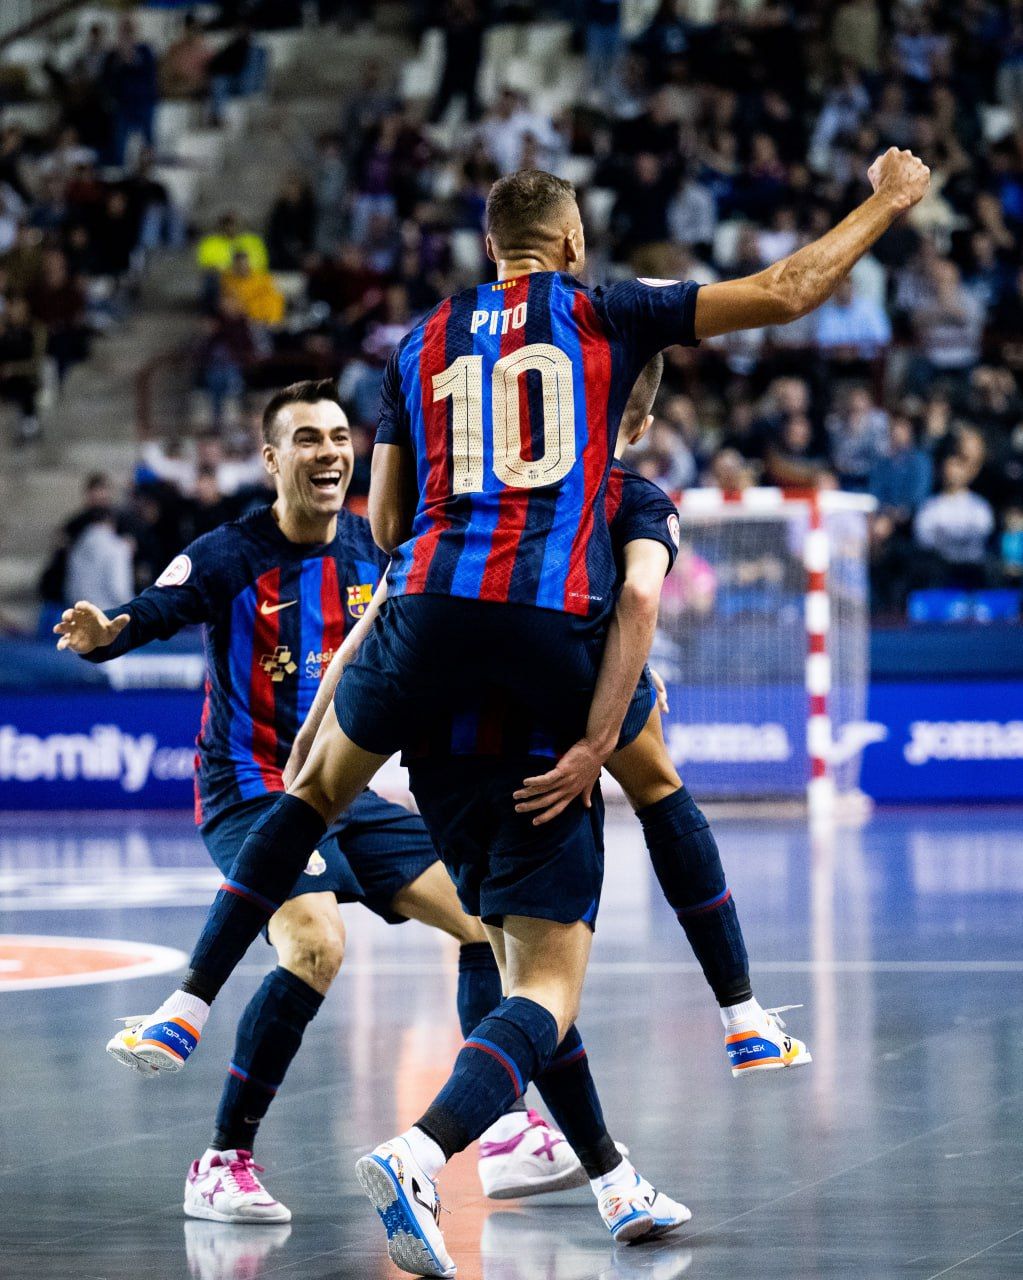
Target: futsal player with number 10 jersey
(489, 475)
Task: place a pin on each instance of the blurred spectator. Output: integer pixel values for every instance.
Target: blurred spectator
(291, 228)
(949, 323)
(901, 480)
(602, 21)
(184, 67)
(99, 564)
(692, 215)
(462, 24)
(1011, 546)
(506, 126)
(129, 79)
(22, 344)
(216, 249)
(955, 526)
(226, 349)
(856, 33)
(858, 438)
(235, 70)
(57, 301)
(208, 507)
(851, 329)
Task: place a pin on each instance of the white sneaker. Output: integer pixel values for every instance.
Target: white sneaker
(406, 1199)
(222, 1186)
(762, 1044)
(522, 1155)
(634, 1210)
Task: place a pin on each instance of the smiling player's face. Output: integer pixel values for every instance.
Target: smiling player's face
(312, 460)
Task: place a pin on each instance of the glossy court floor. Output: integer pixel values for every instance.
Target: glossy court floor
(899, 1153)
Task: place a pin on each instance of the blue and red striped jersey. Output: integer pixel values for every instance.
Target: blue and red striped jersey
(509, 396)
(273, 613)
(490, 725)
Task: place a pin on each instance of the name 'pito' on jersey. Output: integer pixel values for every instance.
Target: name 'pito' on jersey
(509, 396)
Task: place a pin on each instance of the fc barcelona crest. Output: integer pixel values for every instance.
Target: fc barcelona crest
(358, 598)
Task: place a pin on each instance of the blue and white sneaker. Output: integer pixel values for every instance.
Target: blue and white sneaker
(639, 1211)
(151, 1044)
(406, 1199)
(761, 1043)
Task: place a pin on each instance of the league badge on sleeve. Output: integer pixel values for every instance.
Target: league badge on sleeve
(177, 572)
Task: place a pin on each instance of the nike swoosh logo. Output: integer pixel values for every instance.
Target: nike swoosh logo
(267, 609)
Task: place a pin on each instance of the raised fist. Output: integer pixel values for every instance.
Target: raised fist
(901, 177)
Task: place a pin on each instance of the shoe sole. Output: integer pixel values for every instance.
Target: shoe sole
(126, 1057)
(406, 1246)
(208, 1214)
(646, 1227)
(522, 1190)
(803, 1060)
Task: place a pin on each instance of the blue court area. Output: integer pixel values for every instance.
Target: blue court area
(896, 1154)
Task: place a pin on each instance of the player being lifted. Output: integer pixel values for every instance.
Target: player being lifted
(495, 443)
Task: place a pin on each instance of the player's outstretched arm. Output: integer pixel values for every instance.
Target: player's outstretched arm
(83, 628)
(306, 736)
(801, 282)
(629, 638)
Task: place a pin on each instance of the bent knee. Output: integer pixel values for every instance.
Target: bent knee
(310, 944)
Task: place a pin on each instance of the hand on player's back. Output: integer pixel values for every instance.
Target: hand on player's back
(83, 628)
(575, 774)
(901, 176)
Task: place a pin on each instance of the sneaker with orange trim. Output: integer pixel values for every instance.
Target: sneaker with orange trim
(761, 1043)
(150, 1046)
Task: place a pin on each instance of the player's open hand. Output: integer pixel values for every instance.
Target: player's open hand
(661, 689)
(575, 774)
(900, 176)
(83, 628)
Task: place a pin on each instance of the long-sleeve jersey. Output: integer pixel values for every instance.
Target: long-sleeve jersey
(509, 397)
(635, 509)
(273, 614)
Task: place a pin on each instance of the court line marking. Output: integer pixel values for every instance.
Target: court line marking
(979, 1254)
(157, 960)
(436, 968)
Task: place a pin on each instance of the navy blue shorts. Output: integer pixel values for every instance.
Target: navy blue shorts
(428, 652)
(368, 855)
(643, 702)
(501, 864)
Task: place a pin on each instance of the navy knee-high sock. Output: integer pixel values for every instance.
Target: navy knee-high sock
(272, 858)
(567, 1088)
(505, 1051)
(688, 866)
(270, 1032)
(479, 991)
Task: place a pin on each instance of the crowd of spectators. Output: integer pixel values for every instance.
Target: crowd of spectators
(79, 205)
(700, 151)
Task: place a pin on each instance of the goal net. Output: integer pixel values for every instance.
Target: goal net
(764, 644)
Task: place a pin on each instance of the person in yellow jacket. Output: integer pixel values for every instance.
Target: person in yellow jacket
(216, 249)
(254, 291)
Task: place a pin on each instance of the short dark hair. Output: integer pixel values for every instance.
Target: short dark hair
(644, 393)
(311, 391)
(521, 203)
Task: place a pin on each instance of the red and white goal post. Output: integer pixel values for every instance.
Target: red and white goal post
(764, 644)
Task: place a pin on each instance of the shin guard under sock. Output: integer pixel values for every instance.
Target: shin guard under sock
(687, 864)
(272, 858)
(269, 1035)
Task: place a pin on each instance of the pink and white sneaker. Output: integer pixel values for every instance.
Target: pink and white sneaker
(522, 1155)
(223, 1187)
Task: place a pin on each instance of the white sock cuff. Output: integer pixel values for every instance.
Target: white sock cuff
(425, 1150)
(747, 1011)
(623, 1172)
(191, 1008)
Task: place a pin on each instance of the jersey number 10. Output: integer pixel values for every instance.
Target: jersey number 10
(462, 382)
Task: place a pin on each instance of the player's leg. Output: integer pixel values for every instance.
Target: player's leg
(688, 867)
(263, 875)
(396, 864)
(308, 935)
(500, 862)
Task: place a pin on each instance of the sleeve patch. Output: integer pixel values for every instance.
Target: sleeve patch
(656, 284)
(177, 572)
(674, 530)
